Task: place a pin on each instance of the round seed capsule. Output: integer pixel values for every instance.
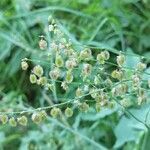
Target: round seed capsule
(38, 70)
(68, 112)
(42, 44)
(42, 80)
(101, 58)
(120, 60)
(141, 66)
(12, 122)
(83, 107)
(59, 61)
(54, 74)
(86, 54)
(79, 92)
(33, 78)
(36, 118)
(106, 55)
(69, 77)
(55, 112)
(24, 65)
(4, 119)
(22, 120)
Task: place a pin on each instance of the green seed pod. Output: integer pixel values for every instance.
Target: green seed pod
(4, 119)
(43, 114)
(125, 102)
(96, 80)
(87, 68)
(42, 44)
(108, 82)
(79, 92)
(101, 58)
(42, 80)
(22, 120)
(59, 61)
(68, 112)
(54, 74)
(71, 63)
(105, 54)
(86, 54)
(24, 65)
(55, 112)
(38, 70)
(12, 122)
(33, 78)
(36, 118)
(111, 105)
(141, 100)
(84, 107)
(120, 60)
(117, 74)
(98, 106)
(50, 87)
(141, 66)
(69, 77)
(93, 93)
(64, 85)
(135, 80)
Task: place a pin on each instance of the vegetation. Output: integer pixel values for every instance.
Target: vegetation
(74, 74)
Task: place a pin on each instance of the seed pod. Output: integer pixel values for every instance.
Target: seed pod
(24, 65)
(42, 80)
(111, 105)
(79, 92)
(108, 82)
(42, 44)
(87, 68)
(125, 102)
(68, 112)
(136, 80)
(38, 70)
(83, 107)
(96, 80)
(141, 99)
(33, 78)
(117, 74)
(101, 58)
(98, 106)
(4, 119)
(51, 27)
(59, 61)
(69, 77)
(43, 114)
(54, 74)
(141, 66)
(86, 54)
(50, 86)
(64, 85)
(22, 120)
(12, 122)
(120, 60)
(105, 55)
(36, 118)
(55, 112)
(70, 64)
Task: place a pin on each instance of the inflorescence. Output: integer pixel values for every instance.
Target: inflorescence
(85, 72)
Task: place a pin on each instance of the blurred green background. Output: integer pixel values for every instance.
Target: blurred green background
(122, 25)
